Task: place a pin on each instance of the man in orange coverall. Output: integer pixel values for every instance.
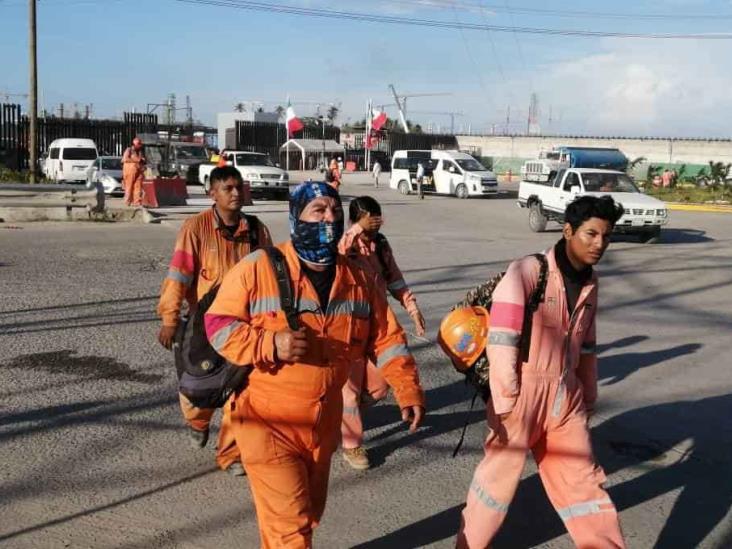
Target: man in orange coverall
(208, 246)
(133, 171)
(287, 421)
(543, 401)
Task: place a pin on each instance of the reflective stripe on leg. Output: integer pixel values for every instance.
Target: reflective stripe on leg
(486, 499)
(586, 508)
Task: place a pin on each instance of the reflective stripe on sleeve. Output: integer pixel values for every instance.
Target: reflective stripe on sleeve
(507, 339)
(392, 352)
(220, 338)
(486, 499)
(586, 508)
(264, 305)
(397, 285)
(180, 277)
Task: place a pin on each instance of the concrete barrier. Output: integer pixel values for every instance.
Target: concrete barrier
(164, 191)
(25, 202)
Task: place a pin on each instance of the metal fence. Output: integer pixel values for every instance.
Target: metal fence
(110, 136)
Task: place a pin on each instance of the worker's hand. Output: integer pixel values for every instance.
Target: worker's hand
(413, 415)
(419, 324)
(370, 223)
(291, 346)
(166, 335)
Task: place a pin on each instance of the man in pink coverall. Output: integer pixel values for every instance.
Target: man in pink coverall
(543, 402)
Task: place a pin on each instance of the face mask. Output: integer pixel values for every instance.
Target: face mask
(317, 242)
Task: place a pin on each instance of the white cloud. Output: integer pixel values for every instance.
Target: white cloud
(668, 88)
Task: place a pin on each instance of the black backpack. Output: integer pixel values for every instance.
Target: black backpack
(206, 378)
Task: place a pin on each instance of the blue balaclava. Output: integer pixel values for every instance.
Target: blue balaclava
(315, 242)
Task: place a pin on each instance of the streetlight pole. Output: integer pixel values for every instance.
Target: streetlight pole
(33, 98)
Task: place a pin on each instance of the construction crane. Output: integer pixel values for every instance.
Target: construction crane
(452, 116)
(8, 95)
(401, 103)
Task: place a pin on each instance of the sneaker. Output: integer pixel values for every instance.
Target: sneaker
(357, 458)
(236, 469)
(198, 438)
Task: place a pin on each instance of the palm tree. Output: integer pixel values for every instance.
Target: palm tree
(239, 107)
(333, 112)
(280, 110)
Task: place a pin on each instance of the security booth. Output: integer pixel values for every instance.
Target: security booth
(310, 154)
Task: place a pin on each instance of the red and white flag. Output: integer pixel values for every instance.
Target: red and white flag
(378, 119)
(294, 124)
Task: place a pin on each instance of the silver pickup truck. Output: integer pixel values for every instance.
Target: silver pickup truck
(546, 201)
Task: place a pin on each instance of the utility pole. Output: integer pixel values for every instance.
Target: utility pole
(33, 100)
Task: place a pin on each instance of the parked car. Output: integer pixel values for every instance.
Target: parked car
(106, 170)
(257, 169)
(69, 159)
(547, 201)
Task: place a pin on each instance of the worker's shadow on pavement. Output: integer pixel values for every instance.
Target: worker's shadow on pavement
(434, 425)
(615, 368)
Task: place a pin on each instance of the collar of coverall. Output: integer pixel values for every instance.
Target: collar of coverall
(343, 273)
(242, 230)
(553, 265)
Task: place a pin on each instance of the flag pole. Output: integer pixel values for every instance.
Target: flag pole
(287, 141)
(368, 137)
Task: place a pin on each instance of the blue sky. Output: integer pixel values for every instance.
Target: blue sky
(118, 55)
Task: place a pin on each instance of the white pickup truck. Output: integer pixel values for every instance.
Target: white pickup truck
(265, 179)
(546, 201)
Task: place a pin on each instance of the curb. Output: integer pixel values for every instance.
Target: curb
(711, 208)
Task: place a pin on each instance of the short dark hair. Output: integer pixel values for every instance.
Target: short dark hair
(586, 207)
(224, 173)
(361, 206)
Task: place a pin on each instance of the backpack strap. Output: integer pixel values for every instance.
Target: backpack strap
(284, 283)
(253, 226)
(536, 297)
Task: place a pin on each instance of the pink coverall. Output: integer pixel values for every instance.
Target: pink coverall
(546, 399)
(366, 385)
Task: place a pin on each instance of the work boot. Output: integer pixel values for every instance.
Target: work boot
(198, 438)
(236, 469)
(357, 458)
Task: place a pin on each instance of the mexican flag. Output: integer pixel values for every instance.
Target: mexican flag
(294, 124)
(378, 119)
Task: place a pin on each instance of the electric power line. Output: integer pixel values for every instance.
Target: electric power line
(561, 13)
(434, 23)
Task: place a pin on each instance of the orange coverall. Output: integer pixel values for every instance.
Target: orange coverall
(287, 421)
(201, 258)
(366, 385)
(546, 399)
(133, 170)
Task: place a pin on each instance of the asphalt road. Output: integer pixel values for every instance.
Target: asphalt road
(94, 453)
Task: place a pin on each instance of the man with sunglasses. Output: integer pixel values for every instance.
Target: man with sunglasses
(207, 247)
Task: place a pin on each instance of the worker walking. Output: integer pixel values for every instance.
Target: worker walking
(207, 247)
(133, 172)
(365, 245)
(335, 174)
(420, 180)
(376, 173)
(541, 399)
(287, 420)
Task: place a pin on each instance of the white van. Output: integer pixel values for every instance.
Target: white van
(445, 172)
(69, 159)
